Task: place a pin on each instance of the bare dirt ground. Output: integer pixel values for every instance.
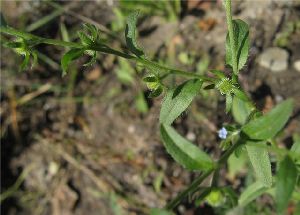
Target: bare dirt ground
(78, 145)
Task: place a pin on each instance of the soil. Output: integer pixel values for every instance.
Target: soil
(79, 145)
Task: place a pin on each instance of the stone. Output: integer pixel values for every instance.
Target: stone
(297, 65)
(274, 59)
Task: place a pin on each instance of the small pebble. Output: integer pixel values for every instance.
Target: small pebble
(297, 65)
(275, 59)
(191, 136)
(131, 129)
(278, 98)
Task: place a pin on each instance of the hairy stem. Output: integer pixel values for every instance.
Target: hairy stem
(231, 36)
(194, 185)
(104, 49)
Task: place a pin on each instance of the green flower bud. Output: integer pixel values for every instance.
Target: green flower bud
(215, 198)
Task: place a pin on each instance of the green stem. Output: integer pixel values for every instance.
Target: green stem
(104, 49)
(28, 36)
(188, 190)
(215, 178)
(231, 36)
(194, 186)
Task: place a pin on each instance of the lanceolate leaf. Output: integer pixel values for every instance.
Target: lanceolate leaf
(228, 102)
(252, 192)
(240, 110)
(68, 57)
(241, 40)
(25, 61)
(130, 34)
(296, 145)
(269, 125)
(183, 151)
(260, 161)
(178, 99)
(84, 38)
(285, 183)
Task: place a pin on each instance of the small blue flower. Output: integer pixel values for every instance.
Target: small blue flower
(223, 133)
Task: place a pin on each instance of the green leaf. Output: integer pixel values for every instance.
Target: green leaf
(125, 72)
(218, 73)
(285, 183)
(35, 59)
(209, 87)
(269, 125)
(150, 79)
(93, 58)
(178, 99)
(240, 110)
(141, 103)
(130, 34)
(68, 57)
(14, 45)
(260, 161)
(85, 40)
(296, 145)
(236, 164)
(183, 151)
(241, 40)
(252, 192)
(228, 102)
(231, 196)
(92, 30)
(156, 92)
(241, 95)
(158, 211)
(25, 61)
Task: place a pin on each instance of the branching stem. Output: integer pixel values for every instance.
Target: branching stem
(103, 49)
(194, 185)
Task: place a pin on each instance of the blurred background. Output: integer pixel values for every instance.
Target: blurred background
(88, 143)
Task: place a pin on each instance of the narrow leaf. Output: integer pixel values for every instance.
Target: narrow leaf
(156, 92)
(141, 103)
(35, 59)
(241, 40)
(178, 99)
(218, 73)
(125, 72)
(269, 125)
(260, 161)
(68, 57)
(84, 38)
(231, 196)
(25, 61)
(92, 29)
(241, 95)
(209, 87)
(252, 192)
(130, 34)
(240, 110)
(296, 145)
(14, 45)
(285, 183)
(183, 151)
(228, 102)
(150, 79)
